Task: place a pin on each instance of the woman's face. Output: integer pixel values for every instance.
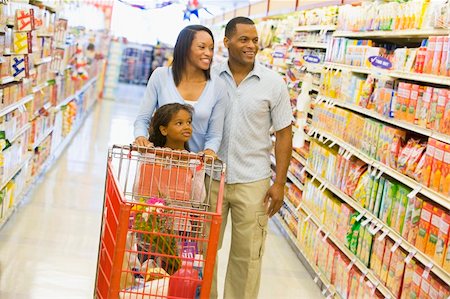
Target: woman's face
(202, 50)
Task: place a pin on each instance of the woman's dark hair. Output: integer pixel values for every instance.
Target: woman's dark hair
(163, 115)
(182, 48)
(230, 28)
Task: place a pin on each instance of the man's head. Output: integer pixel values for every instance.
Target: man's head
(241, 40)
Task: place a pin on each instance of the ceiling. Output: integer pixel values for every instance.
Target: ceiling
(217, 7)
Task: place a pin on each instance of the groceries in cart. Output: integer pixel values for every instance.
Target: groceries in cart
(159, 239)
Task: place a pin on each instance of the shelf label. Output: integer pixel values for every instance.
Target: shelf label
(360, 216)
(316, 279)
(427, 270)
(383, 235)
(325, 237)
(313, 178)
(396, 245)
(380, 62)
(324, 291)
(351, 264)
(410, 256)
(307, 218)
(379, 175)
(365, 222)
(318, 231)
(414, 192)
(332, 144)
(311, 59)
(364, 274)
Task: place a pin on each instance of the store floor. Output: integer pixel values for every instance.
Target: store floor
(48, 249)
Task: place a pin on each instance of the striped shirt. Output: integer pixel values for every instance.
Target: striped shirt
(261, 101)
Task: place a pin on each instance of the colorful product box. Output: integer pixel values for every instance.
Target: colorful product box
(424, 226)
(435, 225)
(436, 172)
(444, 186)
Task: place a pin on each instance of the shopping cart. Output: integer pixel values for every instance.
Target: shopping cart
(158, 238)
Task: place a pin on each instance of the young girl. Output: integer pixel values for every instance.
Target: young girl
(171, 126)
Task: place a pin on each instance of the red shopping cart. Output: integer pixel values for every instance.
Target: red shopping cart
(158, 237)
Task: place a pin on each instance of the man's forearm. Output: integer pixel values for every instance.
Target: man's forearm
(283, 153)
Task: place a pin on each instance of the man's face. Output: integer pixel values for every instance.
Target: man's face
(243, 44)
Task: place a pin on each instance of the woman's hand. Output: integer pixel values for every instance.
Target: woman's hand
(143, 141)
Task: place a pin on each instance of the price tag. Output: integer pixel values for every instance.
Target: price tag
(374, 172)
(414, 192)
(313, 178)
(349, 155)
(324, 291)
(350, 265)
(300, 206)
(378, 228)
(307, 218)
(374, 287)
(332, 144)
(360, 216)
(383, 235)
(361, 279)
(341, 151)
(367, 221)
(321, 186)
(427, 270)
(411, 254)
(311, 131)
(302, 172)
(321, 138)
(316, 279)
(318, 231)
(324, 187)
(380, 174)
(325, 237)
(396, 245)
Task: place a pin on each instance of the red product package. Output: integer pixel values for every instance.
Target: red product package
(394, 150)
(414, 159)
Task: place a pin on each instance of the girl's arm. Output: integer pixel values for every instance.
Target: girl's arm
(213, 136)
(147, 108)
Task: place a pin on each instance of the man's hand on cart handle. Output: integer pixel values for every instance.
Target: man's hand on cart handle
(210, 153)
(274, 198)
(142, 141)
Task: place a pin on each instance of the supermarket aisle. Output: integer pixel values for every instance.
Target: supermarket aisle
(49, 248)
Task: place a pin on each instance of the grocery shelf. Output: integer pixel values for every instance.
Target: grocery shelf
(396, 122)
(299, 158)
(291, 207)
(39, 87)
(294, 244)
(42, 138)
(21, 131)
(295, 181)
(43, 60)
(314, 45)
(316, 28)
(391, 233)
(412, 33)
(425, 78)
(65, 101)
(345, 250)
(16, 105)
(45, 34)
(6, 80)
(407, 181)
(15, 171)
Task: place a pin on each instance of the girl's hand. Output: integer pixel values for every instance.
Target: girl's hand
(142, 141)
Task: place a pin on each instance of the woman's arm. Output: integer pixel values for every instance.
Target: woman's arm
(213, 136)
(147, 108)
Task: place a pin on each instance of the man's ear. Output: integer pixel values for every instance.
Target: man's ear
(163, 130)
(225, 42)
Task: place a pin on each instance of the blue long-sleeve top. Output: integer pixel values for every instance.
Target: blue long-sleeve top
(209, 109)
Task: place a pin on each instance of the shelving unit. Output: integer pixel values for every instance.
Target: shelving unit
(316, 28)
(310, 45)
(392, 121)
(327, 288)
(416, 33)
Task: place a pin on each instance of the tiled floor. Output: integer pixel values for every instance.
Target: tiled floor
(49, 247)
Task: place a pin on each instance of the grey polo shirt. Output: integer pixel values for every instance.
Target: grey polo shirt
(261, 101)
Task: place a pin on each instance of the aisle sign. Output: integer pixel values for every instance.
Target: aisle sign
(380, 62)
(311, 59)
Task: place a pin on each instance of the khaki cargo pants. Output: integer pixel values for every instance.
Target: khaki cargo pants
(249, 230)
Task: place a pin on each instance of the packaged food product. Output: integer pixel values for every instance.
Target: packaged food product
(444, 186)
(424, 226)
(436, 171)
(414, 159)
(428, 161)
(442, 239)
(433, 233)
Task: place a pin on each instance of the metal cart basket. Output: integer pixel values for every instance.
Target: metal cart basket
(158, 237)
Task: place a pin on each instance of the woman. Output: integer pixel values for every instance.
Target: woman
(188, 81)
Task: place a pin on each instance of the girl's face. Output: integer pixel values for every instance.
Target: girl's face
(202, 50)
(178, 131)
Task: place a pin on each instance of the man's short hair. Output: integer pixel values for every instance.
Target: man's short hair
(230, 28)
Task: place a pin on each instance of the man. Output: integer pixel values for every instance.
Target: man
(259, 100)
